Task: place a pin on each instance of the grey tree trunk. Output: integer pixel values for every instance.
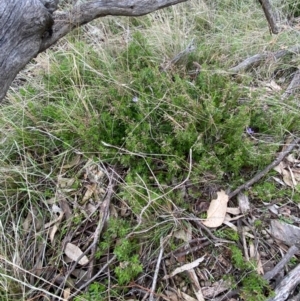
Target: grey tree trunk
(28, 27)
(23, 24)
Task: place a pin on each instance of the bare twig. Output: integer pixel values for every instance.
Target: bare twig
(245, 245)
(87, 283)
(189, 251)
(153, 287)
(267, 8)
(280, 265)
(207, 230)
(104, 211)
(262, 173)
(229, 295)
(24, 274)
(43, 29)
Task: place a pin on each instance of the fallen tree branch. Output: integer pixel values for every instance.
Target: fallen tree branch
(296, 298)
(293, 86)
(259, 58)
(287, 285)
(280, 265)
(262, 173)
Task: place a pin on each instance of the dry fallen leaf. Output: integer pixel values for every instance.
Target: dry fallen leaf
(280, 167)
(185, 267)
(217, 210)
(172, 296)
(90, 189)
(75, 161)
(296, 173)
(73, 252)
(216, 288)
(255, 255)
(273, 86)
(287, 179)
(232, 226)
(90, 209)
(67, 293)
(186, 297)
(291, 158)
(287, 174)
(56, 210)
(33, 219)
(233, 210)
(195, 284)
(184, 234)
(53, 232)
(279, 181)
(65, 182)
(64, 211)
(65, 207)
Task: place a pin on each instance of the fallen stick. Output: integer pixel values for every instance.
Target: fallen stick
(87, 283)
(104, 211)
(262, 173)
(151, 297)
(287, 285)
(280, 265)
(258, 58)
(293, 86)
(296, 298)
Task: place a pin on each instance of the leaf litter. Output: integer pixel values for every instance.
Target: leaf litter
(80, 210)
(217, 210)
(70, 227)
(241, 220)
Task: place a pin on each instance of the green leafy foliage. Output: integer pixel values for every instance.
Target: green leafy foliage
(125, 250)
(227, 234)
(112, 102)
(96, 292)
(116, 229)
(253, 286)
(157, 113)
(128, 270)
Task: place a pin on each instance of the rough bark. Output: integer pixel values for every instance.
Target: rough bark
(257, 59)
(267, 8)
(28, 27)
(22, 27)
(287, 285)
(293, 87)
